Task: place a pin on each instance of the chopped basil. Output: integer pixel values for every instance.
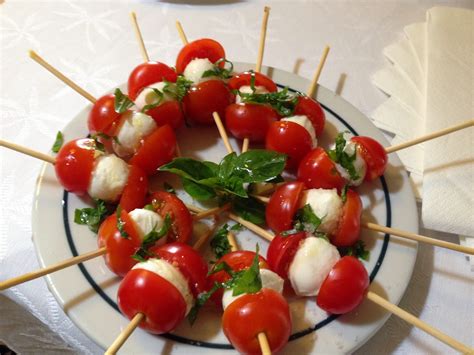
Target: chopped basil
(338, 155)
(219, 243)
(283, 102)
(358, 250)
(91, 216)
(236, 227)
(201, 300)
(344, 193)
(58, 143)
(249, 280)
(151, 238)
(122, 102)
(159, 99)
(223, 73)
(149, 207)
(121, 223)
(249, 209)
(306, 220)
(179, 89)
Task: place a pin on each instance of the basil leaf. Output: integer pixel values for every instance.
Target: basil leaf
(226, 167)
(306, 220)
(223, 73)
(151, 238)
(121, 223)
(159, 99)
(179, 89)
(249, 280)
(235, 186)
(198, 191)
(91, 216)
(149, 207)
(220, 243)
(259, 165)
(358, 250)
(189, 168)
(201, 300)
(344, 193)
(222, 266)
(122, 102)
(237, 227)
(58, 143)
(338, 155)
(250, 209)
(283, 102)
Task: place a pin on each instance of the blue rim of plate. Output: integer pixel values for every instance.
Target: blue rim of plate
(204, 344)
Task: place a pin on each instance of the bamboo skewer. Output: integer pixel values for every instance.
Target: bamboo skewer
(38, 59)
(263, 342)
(122, 338)
(222, 132)
(181, 33)
(27, 151)
(442, 132)
(232, 241)
(138, 34)
(253, 227)
(50, 269)
(213, 211)
(317, 73)
(380, 301)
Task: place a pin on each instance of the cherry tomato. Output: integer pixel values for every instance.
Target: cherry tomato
(282, 250)
(291, 139)
(313, 110)
(345, 286)
(102, 117)
(244, 79)
(143, 291)
(188, 261)
(119, 248)
(167, 113)
(250, 121)
(237, 260)
(283, 205)
(182, 225)
(74, 165)
(146, 74)
(201, 48)
(318, 171)
(374, 155)
(157, 149)
(205, 98)
(262, 312)
(348, 229)
(135, 190)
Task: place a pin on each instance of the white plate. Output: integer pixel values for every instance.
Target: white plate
(88, 292)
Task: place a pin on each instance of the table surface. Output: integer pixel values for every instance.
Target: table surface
(92, 42)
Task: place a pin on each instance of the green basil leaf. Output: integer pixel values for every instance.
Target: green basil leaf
(307, 220)
(282, 101)
(122, 102)
(220, 243)
(338, 155)
(259, 165)
(248, 281)
(121, 223)
(357, 250)
(221, 266)
(189, 168)
(151, 238)
(226, 167)
(235, 185)
(201, 300)
(157, 102)
(198, 191)
(344, 193)
(250, 209)
(217, 71)
(58, 143)
(237, 227)
(91, 216)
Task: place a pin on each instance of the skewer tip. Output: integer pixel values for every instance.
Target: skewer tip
(133, 15)
(266, 9)
(32, 53)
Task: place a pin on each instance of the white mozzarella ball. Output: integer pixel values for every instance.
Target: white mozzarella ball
(171, 274)
(148, 96)
(311, 264)
(304, 121)
(147, 221)
(327, 205)
(247, 89)
(109, 177)
(196, 68)
(135, 126)
(269, 280)
(359, 165)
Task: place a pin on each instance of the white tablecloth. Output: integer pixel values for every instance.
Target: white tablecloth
(93, 43)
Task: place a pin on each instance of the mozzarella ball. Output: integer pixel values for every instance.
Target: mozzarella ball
(327, 205)
(147, 221)
(109, 177)
(135, 126)
(147, 96)
(269, 280)
(171, 274)
(247, 89)
(311, 264)
(304, 121)
(359, 165)
(196, 68)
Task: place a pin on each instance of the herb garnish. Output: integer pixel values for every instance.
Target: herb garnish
(121, 223)
(157, 101)
(358, 250)
(306, 221)
(92, 216)
(219, 243)
(338, 155)
(151, 238)
(344, 193)
(219, 72)
(179, 89)
(122, 102)
(58, 143)
(283, 102)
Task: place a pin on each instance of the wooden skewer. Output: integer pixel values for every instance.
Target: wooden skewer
(181, 33)
(465, 124)
(263, 199)
(204, 238)
(27, 151)
(232, 242)
(222, 132)
(253, 227)
(122, 338)
(50, 269)
(264, 346)
(138, 34)
(211, 212)
(36, 57)
(245, 145)
(418, 323)
(317, 73)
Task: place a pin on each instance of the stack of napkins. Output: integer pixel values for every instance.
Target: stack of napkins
(430, 83)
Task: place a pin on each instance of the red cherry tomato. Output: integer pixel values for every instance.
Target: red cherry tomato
(188, 261)
(201, 48)
(318, 171)
(135, 190)
(237, 260)
(167, 113)
(102, 117)
(146, 74)
(157, 149)
(119, 248)
(348, 229)
(313, 110)
(244, 79)
(262, 312)
(374, 155)
(204, 99)
(291, 139)
(182, 225)
(74, 165)
(143, 291)
(250, 121)
(281, 252)
(283, 205)
(345, 286)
